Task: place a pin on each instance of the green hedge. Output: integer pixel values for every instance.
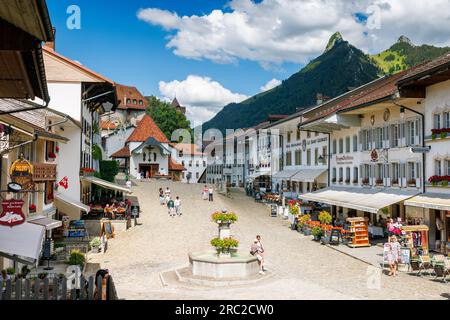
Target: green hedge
(109, 170)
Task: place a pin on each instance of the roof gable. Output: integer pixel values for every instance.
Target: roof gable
(146, 129)
(60, 68)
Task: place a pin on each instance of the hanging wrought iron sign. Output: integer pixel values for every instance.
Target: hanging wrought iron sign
(12, 213)
(21, 172)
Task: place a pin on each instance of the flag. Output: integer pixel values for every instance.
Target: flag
(64, 183)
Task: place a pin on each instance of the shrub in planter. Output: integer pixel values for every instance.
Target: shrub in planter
(444, 183)
(224, 217)
(77, 258)
(443, 135)
(317, 232)
(11, 271)
(96, 243)
(325, 217)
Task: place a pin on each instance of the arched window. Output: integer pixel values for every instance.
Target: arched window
(128, 101)
(154, 157)
(134, 101)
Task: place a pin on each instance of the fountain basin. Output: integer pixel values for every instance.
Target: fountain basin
(208, 264)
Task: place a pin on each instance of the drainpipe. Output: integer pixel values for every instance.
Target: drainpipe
(423, 141)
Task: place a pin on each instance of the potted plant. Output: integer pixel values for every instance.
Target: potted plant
(333, 180)
(412, 182)
(10, 271)
(224, 217)
(355, 181)
(444, 183)
(317, 232)
(32, 208)
(347, 181)
(325, 217)
(433, 136)
(96, 244)
(77, 258)
(51, 155)
(229, 245)
(218, 244)
(365, 181)
(395, 182)
(302, 222)
(443, 135)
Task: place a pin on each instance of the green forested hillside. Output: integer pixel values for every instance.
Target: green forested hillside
(340, 67)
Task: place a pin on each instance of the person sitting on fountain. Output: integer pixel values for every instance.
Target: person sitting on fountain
(256, 250)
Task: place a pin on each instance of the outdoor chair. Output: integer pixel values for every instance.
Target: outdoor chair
(425, 264)
(416, 267)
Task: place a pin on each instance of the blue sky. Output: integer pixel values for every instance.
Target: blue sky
(213, 52)
(114, 42)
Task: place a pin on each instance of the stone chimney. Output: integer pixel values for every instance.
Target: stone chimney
(51, 44)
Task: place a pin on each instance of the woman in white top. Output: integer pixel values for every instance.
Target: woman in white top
(178, 206)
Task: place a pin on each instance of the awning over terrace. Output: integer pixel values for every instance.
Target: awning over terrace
(368, 200)
(430, 201)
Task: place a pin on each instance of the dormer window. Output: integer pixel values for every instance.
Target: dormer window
(134, 101)
(128, 101)
(141, 103)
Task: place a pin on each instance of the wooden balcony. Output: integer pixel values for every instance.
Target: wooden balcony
(44, 172)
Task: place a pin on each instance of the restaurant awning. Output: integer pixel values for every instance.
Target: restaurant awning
(430, 201)
(308, 175)
(368, 200)
(258, 174)
(47, 223)
(22, 243)
(106, 184)
(72, 202)
(285, 174)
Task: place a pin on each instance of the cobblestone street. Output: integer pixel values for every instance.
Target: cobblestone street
(302, 268)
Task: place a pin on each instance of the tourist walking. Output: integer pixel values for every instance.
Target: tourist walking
(161, 196)
(258, 237)
(178, 206)
(104, 273)
(256, 251)
(167, 192)
(205, 192)
(211, 194)
(393, 255)
(171, 207)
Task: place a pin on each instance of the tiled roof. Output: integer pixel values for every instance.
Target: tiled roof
(145, 129)
(108, 125)
(175, 166)
(125, 93)
(188, 149)
(426, 67)
(36, 119)
(122, 153)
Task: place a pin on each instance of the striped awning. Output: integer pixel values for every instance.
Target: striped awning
(368, 200)
(71, 202)
(430, 201)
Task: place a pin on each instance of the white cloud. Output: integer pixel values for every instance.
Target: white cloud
(202, 96)
(270, 85)
(276, 31)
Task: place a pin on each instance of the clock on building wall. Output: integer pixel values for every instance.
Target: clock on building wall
(386, 115)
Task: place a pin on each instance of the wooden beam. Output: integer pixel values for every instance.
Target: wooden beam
(413, 92)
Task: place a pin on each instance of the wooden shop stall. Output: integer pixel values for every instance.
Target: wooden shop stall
(417, 239)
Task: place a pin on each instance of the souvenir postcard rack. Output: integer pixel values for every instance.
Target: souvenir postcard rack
(358, 232)
(417, 240)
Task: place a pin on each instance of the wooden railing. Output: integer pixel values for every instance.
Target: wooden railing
(57, 289)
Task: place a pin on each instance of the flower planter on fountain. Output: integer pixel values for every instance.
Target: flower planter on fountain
(225, 262)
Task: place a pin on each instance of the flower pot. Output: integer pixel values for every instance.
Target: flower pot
(317, 238)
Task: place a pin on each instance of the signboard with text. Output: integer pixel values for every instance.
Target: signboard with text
(12, 214)
(21, 172)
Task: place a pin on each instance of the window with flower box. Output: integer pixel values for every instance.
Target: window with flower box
(355, 175)
(395, 136)
(50, 151)
(447, 167)
(447, 119)
(395, 173)
(49, 192)
(355, 143)
(438, 167)
(436, 121)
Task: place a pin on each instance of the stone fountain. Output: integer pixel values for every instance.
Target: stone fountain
(230, 264)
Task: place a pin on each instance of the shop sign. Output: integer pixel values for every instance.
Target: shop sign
(21, 172)
(344, 160)
(12, 213)
(374, 155)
